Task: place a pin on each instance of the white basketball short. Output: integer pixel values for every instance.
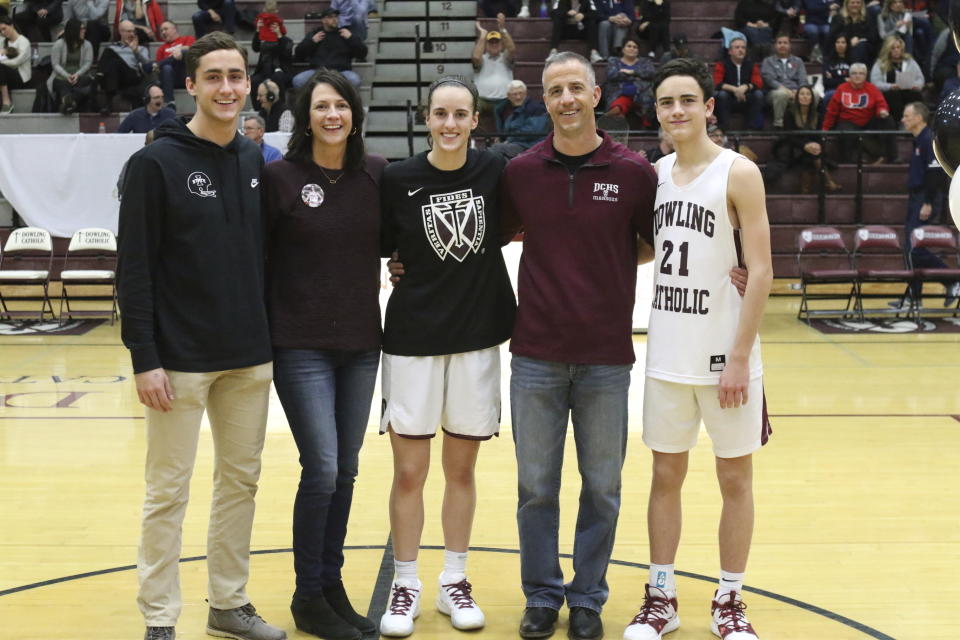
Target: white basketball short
(672, 413)
(460, 392)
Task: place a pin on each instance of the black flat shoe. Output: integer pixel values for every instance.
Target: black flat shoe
(585, 624)
(538, 622)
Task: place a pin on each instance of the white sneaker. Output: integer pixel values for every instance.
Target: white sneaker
(595, 56)
(729, 621)
(524, 12)
(454, 600)
(658, 616)
(403, 609)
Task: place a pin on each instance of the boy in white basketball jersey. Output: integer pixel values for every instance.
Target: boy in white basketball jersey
(703, 353)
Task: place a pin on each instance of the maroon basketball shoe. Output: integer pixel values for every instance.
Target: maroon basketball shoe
(658, 616)
(729, 621)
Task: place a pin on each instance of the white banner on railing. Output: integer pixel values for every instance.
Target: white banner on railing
(65, 182)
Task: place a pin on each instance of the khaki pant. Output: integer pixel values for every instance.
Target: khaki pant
(780, 98)
(236, 402)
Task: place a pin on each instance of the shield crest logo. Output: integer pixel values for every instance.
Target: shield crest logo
(454, 223)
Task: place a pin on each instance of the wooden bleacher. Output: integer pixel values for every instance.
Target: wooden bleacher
(389, 82)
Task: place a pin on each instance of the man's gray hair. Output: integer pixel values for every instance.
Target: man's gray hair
(562, 57)
(259, 120)
(921, 110)
(858, 66)
(517, 84)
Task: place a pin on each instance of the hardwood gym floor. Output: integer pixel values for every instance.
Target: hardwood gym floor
(857, 523)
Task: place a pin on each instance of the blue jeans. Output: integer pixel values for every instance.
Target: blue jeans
(817, 34)
(543, 395)
(173, 72)
(758, 35)
(202, 22)
(304, 76)
(726, 104)
(326, 397)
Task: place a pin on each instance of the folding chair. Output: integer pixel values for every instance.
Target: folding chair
(815, 246)
(941, 242)
(99, 247)
(878, 239)
(26, 249)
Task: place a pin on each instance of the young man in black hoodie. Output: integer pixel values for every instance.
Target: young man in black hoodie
(191, 287)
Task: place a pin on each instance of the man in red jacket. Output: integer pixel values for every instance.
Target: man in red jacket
(858, 105)
(171, 61)
(739, 86)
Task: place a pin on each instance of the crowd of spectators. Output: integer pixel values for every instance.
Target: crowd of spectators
(903, 45)
(93, 67)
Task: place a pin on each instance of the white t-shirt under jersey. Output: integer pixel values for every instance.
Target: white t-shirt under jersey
(696, 309)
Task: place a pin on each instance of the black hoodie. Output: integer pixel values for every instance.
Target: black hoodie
(190, 269)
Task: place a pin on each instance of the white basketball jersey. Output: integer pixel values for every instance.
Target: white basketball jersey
(696, 309)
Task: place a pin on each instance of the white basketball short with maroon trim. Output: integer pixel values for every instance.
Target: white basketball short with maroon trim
(672, 413)
(459, 392)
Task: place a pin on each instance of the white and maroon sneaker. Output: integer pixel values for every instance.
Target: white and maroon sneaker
(402, 610)
(658, 616)
(456, 601)
(729, 621)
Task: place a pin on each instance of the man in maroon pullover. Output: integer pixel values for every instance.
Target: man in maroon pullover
(858, 105)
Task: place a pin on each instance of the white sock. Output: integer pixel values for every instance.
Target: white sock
(454, 567)
(405, 574)
(661, 577)
(730, 581)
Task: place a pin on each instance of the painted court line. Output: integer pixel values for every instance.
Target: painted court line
(386, 568)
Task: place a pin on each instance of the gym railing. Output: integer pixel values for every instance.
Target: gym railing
(736, 138)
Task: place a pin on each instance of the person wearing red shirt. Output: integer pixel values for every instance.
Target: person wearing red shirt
(266, 20)
(170, 60)
(858, 105)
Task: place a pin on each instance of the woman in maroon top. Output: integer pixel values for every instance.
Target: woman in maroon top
(322, 211)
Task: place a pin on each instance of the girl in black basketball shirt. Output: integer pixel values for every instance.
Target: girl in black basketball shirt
(444, 324)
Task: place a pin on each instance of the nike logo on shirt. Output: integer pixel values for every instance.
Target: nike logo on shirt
(414, 191)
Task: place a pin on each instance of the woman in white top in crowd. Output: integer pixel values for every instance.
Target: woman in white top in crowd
(897, 74)
(15, 69)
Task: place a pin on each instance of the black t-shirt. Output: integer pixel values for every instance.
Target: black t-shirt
(572, 163)
(455, 295)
